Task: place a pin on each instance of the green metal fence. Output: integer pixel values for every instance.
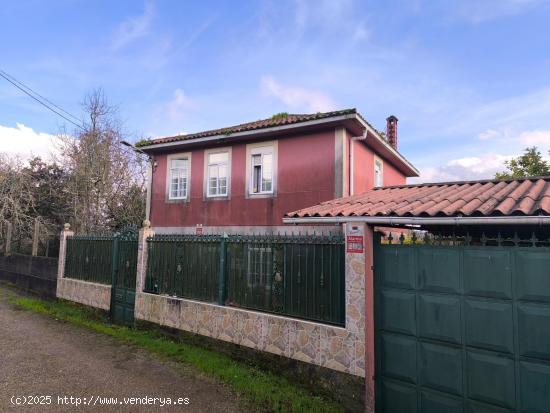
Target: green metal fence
(184, 266)
(89, 258)
(299, 276)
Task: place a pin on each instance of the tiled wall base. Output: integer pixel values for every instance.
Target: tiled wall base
(327, 346)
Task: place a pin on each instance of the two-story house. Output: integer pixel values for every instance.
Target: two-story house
(244, 178)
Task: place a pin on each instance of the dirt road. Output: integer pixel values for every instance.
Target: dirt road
(43, 357)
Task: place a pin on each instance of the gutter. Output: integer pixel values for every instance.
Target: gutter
(456, 221)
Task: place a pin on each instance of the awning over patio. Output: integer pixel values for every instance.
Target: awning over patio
(489, 202)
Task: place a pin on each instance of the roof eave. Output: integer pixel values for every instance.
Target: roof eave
(434, 221)
(253, 133)
(388, 151)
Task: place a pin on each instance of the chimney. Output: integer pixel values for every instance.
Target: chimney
(391, 131)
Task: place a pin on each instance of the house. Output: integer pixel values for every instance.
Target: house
(245, 178)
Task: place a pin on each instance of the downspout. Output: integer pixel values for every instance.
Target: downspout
(150, 167)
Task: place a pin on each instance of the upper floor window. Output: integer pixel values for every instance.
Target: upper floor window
(218, 174)
(378, 173)
(179, 178)
(261, 181)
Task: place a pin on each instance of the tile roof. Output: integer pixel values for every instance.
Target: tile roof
(276, 120)
(527, 196)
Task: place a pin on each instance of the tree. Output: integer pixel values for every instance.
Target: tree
(106, 182)
(530, 163)
(49, 191)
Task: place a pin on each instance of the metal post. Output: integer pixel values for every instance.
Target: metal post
(114, 272)
(222, 271)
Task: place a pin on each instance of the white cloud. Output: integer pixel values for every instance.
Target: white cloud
(297, 97)
(134, 27)
(537, 137)
(25, 142)
(461, 169)
(179, 103)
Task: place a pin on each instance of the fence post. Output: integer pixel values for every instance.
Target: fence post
(8, 238)
(143, 254)
(66, 232)
(222, 271)
(35, 236)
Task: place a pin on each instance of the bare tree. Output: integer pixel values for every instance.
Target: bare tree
(106, 182)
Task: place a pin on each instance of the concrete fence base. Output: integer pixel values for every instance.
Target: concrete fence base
(84, 292)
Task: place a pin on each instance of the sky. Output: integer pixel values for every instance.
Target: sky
(469, 80)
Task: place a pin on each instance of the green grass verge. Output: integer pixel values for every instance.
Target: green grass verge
(263, 390)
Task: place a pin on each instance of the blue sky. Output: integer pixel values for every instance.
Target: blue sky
(469, 80)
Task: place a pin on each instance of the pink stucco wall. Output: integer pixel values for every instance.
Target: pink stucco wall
(363, 166)
(305, 177)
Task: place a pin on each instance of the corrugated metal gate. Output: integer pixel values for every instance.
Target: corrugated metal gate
(462, 328)
(123, 295)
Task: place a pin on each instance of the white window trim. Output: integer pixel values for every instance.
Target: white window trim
(207, 154)
(381, 162)
(169, 159)
(256, 148)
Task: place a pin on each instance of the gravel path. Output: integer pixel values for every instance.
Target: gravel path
(44, 357)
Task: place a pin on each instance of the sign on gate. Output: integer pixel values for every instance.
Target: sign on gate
(355, 240)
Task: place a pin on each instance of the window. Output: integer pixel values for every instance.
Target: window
(218, 164)
(179, 178)
(260, 267)
(378, 173)
(261, 181)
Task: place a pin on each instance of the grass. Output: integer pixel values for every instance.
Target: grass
(262, 390)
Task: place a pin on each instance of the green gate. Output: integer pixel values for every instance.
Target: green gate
(463, 328)
(123, 293)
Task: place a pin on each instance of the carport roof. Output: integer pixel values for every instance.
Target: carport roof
(487, 198)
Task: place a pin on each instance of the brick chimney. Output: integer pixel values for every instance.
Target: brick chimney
(391, 130)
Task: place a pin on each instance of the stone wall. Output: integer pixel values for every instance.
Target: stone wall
(327, 346)
(84, 292)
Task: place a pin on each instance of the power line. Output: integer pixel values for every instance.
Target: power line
(39, 95)
(46, 103)
(38, 100)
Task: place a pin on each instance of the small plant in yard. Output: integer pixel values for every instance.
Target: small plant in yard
(264, 390)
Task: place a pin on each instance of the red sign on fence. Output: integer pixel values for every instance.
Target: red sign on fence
(355, 244)
(198, 230)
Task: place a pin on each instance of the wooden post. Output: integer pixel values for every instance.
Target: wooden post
(8, 238)
(35, 237)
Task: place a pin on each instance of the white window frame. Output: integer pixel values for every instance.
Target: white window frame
(169, 169)
(378, 161)
(261, 148)
(207, 165)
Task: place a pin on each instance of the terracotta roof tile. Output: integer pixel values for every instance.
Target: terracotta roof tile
(276, 120)
(526, 196)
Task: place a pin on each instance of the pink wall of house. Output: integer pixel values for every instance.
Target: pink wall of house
(363, 167)
(305, 177)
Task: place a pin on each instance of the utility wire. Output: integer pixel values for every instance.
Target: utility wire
(38, 100)
(4, 73)
(48, 104)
